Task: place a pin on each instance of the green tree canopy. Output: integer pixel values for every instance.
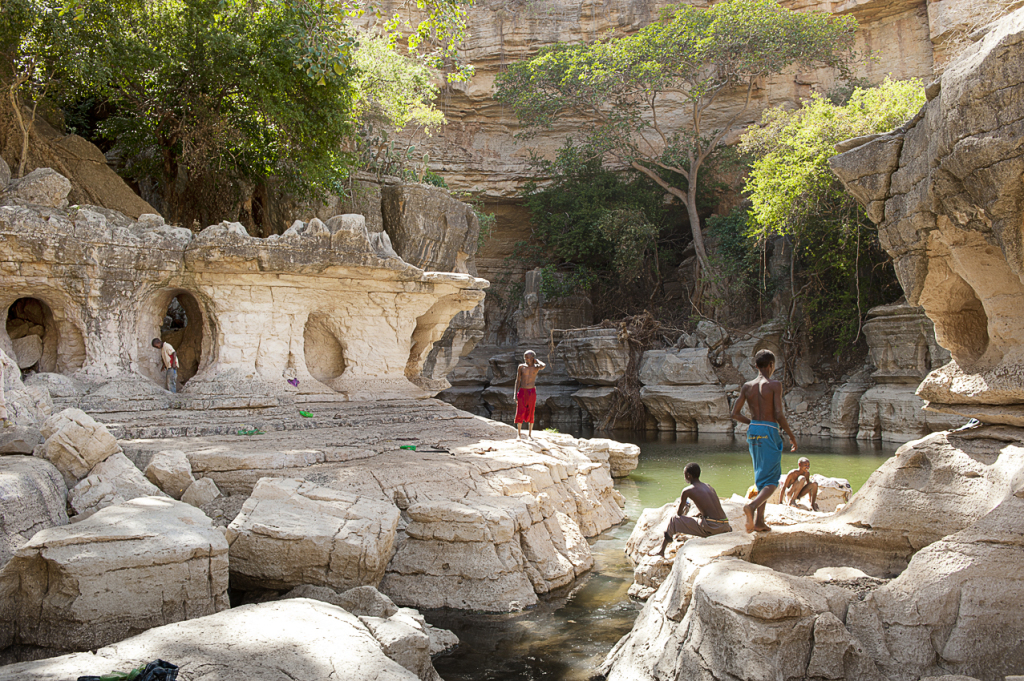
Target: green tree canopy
(840, 269)
(212, 99)
(625, 88)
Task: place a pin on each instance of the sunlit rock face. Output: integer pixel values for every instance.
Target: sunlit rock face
(328, 305)
(946, 192)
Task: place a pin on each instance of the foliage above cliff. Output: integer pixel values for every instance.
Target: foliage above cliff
(624, 88)
(209, 99)
(841, 269)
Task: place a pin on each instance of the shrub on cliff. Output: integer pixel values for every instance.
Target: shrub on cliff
(839, 269)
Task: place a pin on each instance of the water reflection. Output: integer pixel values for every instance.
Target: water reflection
(567, 636)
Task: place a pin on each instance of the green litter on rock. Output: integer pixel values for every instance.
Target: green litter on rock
(251, 431)
(306, 414)
(412, 447)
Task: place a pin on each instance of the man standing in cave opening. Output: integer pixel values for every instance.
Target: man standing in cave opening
(170, 363)
(764, 440)
(526, 392)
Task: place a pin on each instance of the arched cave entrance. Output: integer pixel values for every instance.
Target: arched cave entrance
(38, 341)
(324, 353)
(177, 317)
(182, 327)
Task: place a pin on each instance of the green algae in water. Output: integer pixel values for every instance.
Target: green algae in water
(568, 635)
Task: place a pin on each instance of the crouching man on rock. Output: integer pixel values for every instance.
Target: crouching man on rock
(712, 518)
(526, 391)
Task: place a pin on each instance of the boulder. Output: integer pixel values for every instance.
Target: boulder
(594, 356)
(19, 440)
(201, 492)
(289, 639)
(32, 498)
(41, 187)
(114, 480)
(75, 443)
(292, 532)
(5, 175)
(28, 350)
(429, 228)
(688, 366)
(688, 409)
(171, 472)
(956, 608)
(123, 570)
(622, 457)
(711, 334)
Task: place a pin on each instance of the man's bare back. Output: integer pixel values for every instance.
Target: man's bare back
(760, 395)
(704, 498)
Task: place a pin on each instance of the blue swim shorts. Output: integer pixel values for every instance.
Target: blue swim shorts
(765, 443)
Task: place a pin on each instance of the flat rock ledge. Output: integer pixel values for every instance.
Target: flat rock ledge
(919, 576)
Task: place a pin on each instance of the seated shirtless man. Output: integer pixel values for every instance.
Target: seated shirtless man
(799, 482)
(526, 391)
(764, 398)
(712, 518)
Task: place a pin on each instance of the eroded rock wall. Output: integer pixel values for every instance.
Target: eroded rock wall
(324, 304)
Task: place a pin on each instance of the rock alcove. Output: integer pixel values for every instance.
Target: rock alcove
(40, 341)
(174, 316)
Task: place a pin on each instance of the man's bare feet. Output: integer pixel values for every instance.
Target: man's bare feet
(748, 511)
(815, 507)
(762, 528)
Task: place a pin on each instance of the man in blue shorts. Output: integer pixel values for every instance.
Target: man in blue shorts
(764, 398)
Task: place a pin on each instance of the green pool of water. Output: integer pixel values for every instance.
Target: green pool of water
(569, 633)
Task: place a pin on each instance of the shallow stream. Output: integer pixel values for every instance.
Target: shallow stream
(567, 636)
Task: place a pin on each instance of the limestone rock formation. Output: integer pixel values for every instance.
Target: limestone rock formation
(113, 481)
(171, 472)
(903, 350)
(75, 443)
(594, 356)
(82, 586)
(945, 192)
(292, 532)
(41, 187)
(320, 305)
(622, 458)
(295, 638)
(33, 497)
(201, 492)
(429, 228)
(929, 535)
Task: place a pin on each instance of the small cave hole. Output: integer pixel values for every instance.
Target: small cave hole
(182, 327)
(33, 333)
(324, 354)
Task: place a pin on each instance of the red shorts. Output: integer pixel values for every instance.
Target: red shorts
(526, 402)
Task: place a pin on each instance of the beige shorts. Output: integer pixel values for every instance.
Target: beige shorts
(702, 528)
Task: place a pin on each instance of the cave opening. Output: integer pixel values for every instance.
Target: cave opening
(182, 327)
(324, 353)
(34, 335)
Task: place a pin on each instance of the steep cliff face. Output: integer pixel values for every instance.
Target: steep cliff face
(946, 192)
(477, 151)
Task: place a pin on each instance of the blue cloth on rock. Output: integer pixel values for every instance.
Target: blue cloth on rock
(765, 443)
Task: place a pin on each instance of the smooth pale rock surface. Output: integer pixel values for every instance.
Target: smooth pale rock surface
(956, 608)
(277, 641)
(429, 228)
(75, 443)
(171, 472)
(28, 350)
(292, 532)
(688, 409)
(32, 498)
(82, 586)
(687, 366)
(201, 492)
(115, 480)
(594, 356)
(621, 457)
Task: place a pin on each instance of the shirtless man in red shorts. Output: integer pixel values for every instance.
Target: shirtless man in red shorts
(526, 391)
